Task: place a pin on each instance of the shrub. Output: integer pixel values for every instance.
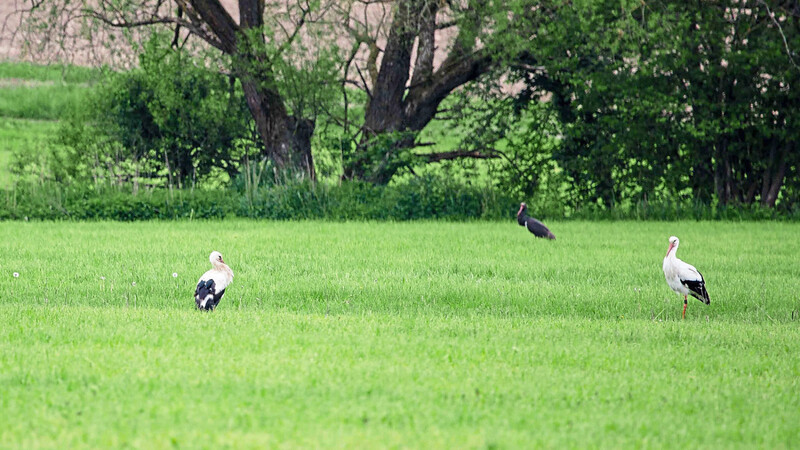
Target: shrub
(426, 197)
(170, 121)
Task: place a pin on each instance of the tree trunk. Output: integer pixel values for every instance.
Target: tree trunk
(766, 180)
(384, 114)
(398, 110)
(301, 131)
(287, 140)
(722, 181)
(702, 181)
(777, 179)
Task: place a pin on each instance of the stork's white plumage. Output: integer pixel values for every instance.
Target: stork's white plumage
(683, 278)
(211, 286)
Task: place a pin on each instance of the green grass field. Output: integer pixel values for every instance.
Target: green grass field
(57, 73)
(433, 335)
(42, 92)
(40, 102)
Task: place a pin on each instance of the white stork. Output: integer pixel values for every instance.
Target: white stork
(683, 278)
(211, 286)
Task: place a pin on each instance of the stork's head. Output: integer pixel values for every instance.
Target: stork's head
(216, 258)
(523, 208)
(673, 243)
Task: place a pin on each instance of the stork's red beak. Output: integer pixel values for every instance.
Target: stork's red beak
(668, 250)
(521, 207)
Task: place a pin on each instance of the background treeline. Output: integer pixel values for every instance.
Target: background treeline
(594, 109)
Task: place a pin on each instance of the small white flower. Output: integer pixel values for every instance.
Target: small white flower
(16, 274)
(174, 274)
(133, 284)
(103, 278)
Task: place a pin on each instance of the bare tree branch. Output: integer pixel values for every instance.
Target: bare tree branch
(780, 30)
(121, 22)
(291, 37)
(458, 154)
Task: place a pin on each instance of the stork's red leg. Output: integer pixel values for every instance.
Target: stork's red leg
(685, 301)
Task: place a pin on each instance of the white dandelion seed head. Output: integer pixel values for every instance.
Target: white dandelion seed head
(103, 278)
(174, 274)
(16, 274)
(133, 284)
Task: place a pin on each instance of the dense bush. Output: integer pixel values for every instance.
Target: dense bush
(425, 198)
(672, 99)
(53, 201)
(170, 121)
(420, 198)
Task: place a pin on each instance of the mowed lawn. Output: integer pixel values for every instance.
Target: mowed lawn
(427, 335)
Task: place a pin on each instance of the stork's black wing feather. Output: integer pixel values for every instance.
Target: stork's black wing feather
(204, 295)
(697, 289)
(215, 301)
(538, 229)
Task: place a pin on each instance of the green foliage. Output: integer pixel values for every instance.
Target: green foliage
(671, 100)
(521, 135)
(57, 201)
(309, 80)
(424, 198)
(412, 335)
(171, 121)
(621, 109)
(24, 149)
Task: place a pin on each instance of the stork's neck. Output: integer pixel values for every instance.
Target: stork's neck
(522, 216)
(222, 267)
(671, 254)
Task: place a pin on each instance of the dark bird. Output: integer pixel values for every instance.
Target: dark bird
(683, 278)
(534, 226)
(211, 286)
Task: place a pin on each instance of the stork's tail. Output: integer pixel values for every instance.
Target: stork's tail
(702, 294)
(705, 298)
(697, 289)
(204, 295)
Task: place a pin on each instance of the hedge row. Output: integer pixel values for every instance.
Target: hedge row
(348, 201)
(422, 198)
